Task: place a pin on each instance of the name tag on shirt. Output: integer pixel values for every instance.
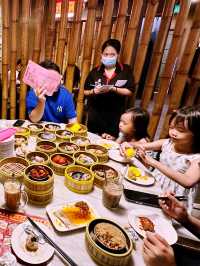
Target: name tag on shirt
(120, 82)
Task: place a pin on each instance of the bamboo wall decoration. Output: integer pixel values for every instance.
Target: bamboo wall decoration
(105, 29)
(13, 57)
(39, 14)
(51, 29)
(182, 72)
(26, 5)
(74, 44)
(144, 41)
(157, 53)
(5, 56)
(130, 38)
(87, 53)
(62, 34)
(165, 77)
(121, 20)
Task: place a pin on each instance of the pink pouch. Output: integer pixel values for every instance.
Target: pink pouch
(7, 133)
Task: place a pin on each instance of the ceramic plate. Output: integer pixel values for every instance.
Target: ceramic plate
(140, 181)
(18, 242)
(63, 224)
(108, 144)
(116, 156)
(162, 225)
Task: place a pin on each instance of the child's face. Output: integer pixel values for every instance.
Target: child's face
(126, 124)
(179, 133)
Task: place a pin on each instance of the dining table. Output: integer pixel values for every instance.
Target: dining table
(73, 242)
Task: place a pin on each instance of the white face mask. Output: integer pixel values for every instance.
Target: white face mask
(109, 61)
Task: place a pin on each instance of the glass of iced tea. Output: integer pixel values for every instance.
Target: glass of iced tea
(15, 197)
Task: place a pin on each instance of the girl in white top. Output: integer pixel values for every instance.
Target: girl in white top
(179, 167)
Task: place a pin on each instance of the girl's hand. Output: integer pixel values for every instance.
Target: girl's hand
(146, 159)
(123, 147)
(40, 93)
(174, 208)
(107, 136)
(156, 251)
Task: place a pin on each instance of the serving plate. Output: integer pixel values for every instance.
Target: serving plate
(148, 181)
(108, 144)
(116, 156)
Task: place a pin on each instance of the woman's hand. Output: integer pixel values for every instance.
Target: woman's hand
(107, 136)
(101, 89)
(174, 208)
(157, 252)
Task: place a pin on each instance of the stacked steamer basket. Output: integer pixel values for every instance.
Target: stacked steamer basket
(77, 129)
(35, 128)
(38, 184)
(82, 142)
(99, 151)
(63, 135)
(7, 147)
(59, 162)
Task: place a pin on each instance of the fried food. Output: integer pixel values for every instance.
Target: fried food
(146, 224)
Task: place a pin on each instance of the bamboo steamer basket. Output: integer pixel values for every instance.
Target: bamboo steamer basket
(12, 165)
(38, 186)
(88, 165)
(25, 140)
(46, 142)
(61, 138)
(54, 126)
(39, 198)
(99, 180)
(63, 144)
(102, 158)
(40, 154)
(35, 131)
(85, 141)
(22, 131)
(59, 169)
(82, 132)
(82, 186)
(101, 256)
(40, 136)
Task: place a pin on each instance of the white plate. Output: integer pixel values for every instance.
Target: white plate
(18, 242)
(66, 225)
(116, 156)
(108, 144)
(162, 225)
(149, 182)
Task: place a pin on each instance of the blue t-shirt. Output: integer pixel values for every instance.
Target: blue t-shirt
(58, 108)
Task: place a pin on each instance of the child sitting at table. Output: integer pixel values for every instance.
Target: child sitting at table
(179, 167)
(132, 126)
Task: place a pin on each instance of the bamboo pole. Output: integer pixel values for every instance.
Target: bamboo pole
(157, 53)
(121, 20)
(62, 33)
(182, 72)
(13, 58)
(26, 5)
(132, 29)
(166, 75)
(106, 26)
(5, 56)
(144, 41)
(74, 44)
(51, 29)
(39, 13)
(88, 39)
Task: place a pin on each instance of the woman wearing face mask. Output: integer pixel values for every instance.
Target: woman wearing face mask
(106, 87)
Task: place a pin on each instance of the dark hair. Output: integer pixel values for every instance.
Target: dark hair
(190, 115)
(48, 64)
(140, 119)
(112, 42)
(19, 61)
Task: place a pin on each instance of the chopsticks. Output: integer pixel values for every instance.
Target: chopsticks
(52, 243)
(181, 198)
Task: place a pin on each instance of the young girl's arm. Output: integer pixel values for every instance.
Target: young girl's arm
(187, 180)
(145, 146)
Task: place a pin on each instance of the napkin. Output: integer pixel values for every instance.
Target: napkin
(7, 133)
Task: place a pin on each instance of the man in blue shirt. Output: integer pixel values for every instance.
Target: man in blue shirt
(58, 108)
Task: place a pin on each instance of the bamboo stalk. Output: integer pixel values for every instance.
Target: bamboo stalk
(5, 56)
(51, 29)
(13, 59)
(26, 4)
(182, 72)
(74, 44)
(106, 26)
(121, 19)
(144, 41)
(88, 39)
(157, 53)
(132, 29)
(62, 33)
(169, 65)
(39, 13)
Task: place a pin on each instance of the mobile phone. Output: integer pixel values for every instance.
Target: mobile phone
(142, 198)
(18, 123)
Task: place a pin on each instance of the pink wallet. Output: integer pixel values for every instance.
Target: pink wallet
(7, 133)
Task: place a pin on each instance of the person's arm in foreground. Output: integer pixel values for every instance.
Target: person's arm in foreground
(37, 113)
